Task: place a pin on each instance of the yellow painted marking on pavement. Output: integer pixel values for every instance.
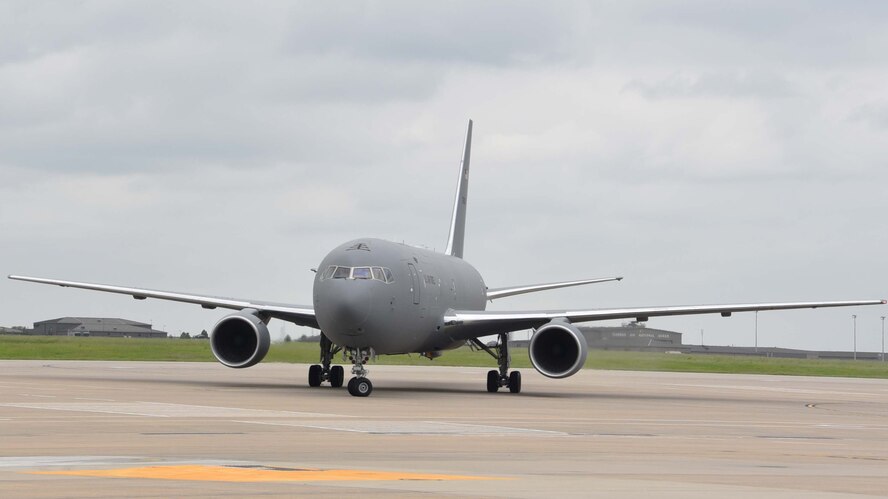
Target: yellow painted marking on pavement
(236, 474)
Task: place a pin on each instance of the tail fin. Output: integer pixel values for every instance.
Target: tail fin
(458, 219)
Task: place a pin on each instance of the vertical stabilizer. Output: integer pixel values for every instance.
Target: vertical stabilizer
(458, 219)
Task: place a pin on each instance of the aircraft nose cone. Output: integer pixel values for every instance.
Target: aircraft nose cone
(349, 308)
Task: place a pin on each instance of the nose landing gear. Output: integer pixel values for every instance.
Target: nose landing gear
(359, 386)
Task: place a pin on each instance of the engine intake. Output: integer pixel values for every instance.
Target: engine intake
(240, 340)
(558, 349)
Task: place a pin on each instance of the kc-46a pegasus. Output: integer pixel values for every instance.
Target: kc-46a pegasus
(374, 297)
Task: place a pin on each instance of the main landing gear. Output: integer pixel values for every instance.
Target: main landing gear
(502, 377)
(317, 374)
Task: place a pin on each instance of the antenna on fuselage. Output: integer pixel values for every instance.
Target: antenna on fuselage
(458, 219)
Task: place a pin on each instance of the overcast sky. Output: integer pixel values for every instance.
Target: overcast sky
(710, 153)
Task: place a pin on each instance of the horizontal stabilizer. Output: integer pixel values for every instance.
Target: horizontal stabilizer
(493, 294)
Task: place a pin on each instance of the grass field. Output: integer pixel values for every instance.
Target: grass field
(70, 348)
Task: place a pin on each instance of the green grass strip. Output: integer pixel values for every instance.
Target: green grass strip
(134, 349)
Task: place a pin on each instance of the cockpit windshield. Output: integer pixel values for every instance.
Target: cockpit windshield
(383, 274)
(361, 273)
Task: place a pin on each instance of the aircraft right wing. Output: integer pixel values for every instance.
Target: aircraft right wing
(468, 324)
(300, 315)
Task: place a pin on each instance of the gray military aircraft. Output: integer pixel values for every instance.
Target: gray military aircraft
(376, 297)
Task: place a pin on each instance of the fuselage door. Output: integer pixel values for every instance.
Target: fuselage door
(414, 282)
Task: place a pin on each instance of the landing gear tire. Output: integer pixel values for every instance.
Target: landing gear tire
(493, 381)
(314, 375)
(337, 376)
(360, 387)
(515, 382)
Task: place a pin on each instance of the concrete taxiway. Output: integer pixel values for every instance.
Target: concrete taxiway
(150, 429)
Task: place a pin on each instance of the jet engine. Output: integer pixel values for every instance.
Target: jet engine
(240, 339)
(558, 349)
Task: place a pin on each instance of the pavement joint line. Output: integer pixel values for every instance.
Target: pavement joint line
(286, 413)
(517, 430)
(165, 410)
(42, 461)
(772, 389)
(31, 406)
(408, 428)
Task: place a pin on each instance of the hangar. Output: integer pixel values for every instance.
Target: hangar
(631, 336)
(96, 326)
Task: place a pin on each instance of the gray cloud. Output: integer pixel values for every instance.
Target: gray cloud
(794, 34)
(763, 85)
(873, 115)
(490, 33)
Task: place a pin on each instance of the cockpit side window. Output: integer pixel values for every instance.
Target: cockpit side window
(342, 273)
(361, 273)
(378, 275)
(328, 273)
(388, 275)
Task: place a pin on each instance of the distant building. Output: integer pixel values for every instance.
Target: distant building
(631, 336)
(96, 326)
(14, 330)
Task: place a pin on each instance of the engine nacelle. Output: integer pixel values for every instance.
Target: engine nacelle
(240, 340)
(558, 349)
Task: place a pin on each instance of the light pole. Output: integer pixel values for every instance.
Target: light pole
(756, 331)
(883, 338)
(854, 319)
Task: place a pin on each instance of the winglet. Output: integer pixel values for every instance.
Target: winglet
(458, 218)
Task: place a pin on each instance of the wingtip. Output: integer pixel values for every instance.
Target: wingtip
(619, 278)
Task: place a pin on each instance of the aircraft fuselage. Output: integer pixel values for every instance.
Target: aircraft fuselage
(371, 293)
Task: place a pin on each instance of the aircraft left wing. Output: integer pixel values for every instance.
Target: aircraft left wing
(468, 324)
(297, 314)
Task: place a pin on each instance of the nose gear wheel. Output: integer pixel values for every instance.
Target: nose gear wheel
(360, 387)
